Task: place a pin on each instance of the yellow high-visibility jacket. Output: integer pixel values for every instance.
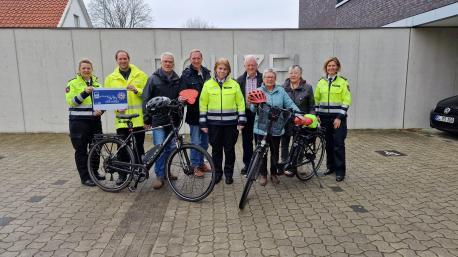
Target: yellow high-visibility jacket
(221, 103)
(80, 102)
(332, 98)
(138, 79)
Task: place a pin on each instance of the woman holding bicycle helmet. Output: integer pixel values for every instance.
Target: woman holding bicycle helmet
(333, 98)
(222, 114)
(276, 96)
(302, 94)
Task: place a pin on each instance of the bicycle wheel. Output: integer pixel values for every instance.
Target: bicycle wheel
(253, 170)
(311, 157)
(108, 165)
(181, 178)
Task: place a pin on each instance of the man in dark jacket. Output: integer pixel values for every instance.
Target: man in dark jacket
(250, 80)
(163, 82)
(194, 77)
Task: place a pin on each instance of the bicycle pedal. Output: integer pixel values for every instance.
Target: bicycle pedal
(132, 188)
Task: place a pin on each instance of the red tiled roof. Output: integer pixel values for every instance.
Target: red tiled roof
(31, 13)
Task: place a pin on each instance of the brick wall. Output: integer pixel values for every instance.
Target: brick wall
(362, 13)
(317, 13)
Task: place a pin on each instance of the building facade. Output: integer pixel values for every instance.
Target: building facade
(377, 13)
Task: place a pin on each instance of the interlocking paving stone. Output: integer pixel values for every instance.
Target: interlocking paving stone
(336, 189)
(411, 203)
(36, 199)
(60, 182)
(5, 220)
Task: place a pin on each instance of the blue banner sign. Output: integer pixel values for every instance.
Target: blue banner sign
(109, 98)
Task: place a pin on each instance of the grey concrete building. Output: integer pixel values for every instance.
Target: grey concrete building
(377, 13)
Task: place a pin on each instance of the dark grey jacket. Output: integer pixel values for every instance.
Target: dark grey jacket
(302, 95)
(160, 85)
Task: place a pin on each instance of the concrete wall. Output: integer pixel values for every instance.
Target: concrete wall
(395, 75)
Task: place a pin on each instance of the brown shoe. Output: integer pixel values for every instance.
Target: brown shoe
(274, 179)
(172, 177)
(263, 181)
(198, 172)
(205, 167)
(158, 183)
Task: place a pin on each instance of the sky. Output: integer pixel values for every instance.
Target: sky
(225, 14)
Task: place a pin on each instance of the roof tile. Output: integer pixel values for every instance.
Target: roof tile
(31, 13)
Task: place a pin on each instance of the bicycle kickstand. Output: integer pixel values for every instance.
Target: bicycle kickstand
(134, 187)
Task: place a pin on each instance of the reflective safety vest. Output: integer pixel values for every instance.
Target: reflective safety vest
(332, 98)
(80, 102)
(221, 105)
(138, 79)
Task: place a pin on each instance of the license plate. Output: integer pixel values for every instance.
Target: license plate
(445, 119)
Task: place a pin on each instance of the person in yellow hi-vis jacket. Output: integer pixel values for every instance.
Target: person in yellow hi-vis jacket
(84, 121)
(222, 114)
(332, 100)
(128, 76)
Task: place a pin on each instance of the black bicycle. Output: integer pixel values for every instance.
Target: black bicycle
(117, 161)
(305, 149)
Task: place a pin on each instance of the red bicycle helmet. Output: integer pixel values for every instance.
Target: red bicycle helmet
(257, 97)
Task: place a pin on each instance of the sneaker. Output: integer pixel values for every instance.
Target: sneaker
(158, 183)
(205, 167)
(172, 177)
(289, 173)
(198, 172)
(263, 181)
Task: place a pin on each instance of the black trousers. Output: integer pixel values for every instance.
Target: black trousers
(81, 134)
(223, 138)
(247, 137)
(335, 145)
(285, 139)
(274, 143)
(139, 138)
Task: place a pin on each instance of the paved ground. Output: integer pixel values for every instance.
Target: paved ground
(387, 206)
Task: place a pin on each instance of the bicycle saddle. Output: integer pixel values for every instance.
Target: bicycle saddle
(127, 116)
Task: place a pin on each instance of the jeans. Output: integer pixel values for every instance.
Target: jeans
(198, 138)
(159, 136)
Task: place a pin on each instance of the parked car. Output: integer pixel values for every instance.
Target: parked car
(445, 116)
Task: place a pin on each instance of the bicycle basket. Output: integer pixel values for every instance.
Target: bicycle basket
(277, 125)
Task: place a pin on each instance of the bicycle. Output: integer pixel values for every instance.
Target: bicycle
(303, 152)
(307, 150)
(115, 155)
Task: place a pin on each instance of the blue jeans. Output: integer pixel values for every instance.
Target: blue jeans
(159, 136)
(198, 138)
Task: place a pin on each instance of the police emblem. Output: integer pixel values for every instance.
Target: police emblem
(447, 110)
(121, 95)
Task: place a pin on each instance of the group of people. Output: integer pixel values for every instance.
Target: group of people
(222, 110)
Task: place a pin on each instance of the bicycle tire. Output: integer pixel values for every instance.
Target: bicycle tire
(252, 171)
(314, 152)
(186, 181)
(100, 159)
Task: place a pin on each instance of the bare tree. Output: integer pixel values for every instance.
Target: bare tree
(120, 13)
(198, 23)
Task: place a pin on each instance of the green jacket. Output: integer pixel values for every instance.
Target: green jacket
(80, 102)
(332, 99)
(221, 103)
(138, 79)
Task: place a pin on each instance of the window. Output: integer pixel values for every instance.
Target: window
(76, 18)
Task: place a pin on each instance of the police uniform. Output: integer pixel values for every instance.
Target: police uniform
(83, 123)
(222, 108)
(332, 99)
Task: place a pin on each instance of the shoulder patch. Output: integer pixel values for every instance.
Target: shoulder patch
(67, 89)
